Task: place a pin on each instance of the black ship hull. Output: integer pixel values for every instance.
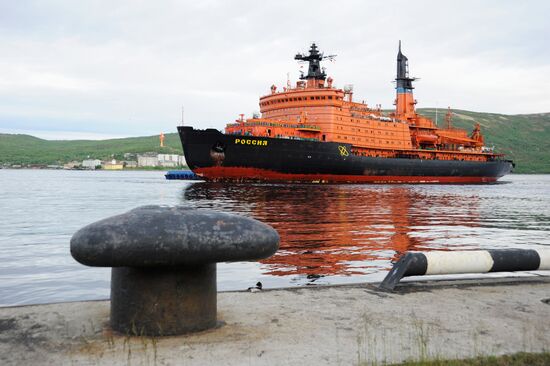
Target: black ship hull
(219, 157)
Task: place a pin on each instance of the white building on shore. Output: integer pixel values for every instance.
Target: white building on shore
(171, 160)
(163, 160)
(91, 163)
(147, 159)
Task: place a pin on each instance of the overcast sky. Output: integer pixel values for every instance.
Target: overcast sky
(97, 69)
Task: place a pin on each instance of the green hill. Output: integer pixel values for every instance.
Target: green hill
(525, 138)
(25, 149)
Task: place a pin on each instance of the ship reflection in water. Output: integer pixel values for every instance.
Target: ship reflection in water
(345, 230)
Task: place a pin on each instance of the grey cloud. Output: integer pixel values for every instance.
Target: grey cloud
(127, 67)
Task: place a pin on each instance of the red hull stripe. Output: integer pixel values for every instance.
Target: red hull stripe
(247, 174)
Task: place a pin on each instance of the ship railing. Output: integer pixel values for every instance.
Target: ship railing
(275, 124)
(295, 138)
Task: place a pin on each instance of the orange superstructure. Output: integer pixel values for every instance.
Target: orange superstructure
(314, 109)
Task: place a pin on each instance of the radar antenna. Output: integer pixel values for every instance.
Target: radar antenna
(314, 59)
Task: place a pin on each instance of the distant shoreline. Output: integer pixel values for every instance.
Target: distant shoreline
(159, 169)
(165, 169)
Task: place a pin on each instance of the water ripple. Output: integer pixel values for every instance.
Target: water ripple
(329, 233)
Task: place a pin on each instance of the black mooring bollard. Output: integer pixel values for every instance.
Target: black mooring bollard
(164, 263)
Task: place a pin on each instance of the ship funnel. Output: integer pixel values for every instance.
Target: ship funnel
(402, 64)
(402, 78)
(404, 103)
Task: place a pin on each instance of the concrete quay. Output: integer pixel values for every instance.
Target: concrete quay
(317, 325)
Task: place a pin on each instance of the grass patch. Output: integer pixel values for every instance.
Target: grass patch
(517, 359)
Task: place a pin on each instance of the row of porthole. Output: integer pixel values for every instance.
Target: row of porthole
(298, 99)
(359, 130)
(379, 124)
(367, 120)
(371, 140)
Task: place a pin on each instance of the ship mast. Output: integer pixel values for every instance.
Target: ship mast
(315, 74)
(404, 105)
(182, 113)
(449, 119)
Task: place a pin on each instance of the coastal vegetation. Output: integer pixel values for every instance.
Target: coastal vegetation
(524, 138)
(27, 150)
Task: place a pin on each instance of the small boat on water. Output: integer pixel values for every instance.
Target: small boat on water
(316, 132)
(181, 175)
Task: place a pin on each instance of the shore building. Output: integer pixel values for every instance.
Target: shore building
(147, 159)
(112, 165)
(91, 163)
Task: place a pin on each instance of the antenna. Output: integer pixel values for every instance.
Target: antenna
(435, 102)
(314, 58)
(182, 113)
(449, 118)
(288, 80)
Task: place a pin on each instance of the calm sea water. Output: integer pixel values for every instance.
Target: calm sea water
(329, 233)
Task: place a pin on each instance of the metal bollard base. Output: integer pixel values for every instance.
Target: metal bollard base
(163, 301)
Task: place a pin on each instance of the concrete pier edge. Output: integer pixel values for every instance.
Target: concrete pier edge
(327, 324)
